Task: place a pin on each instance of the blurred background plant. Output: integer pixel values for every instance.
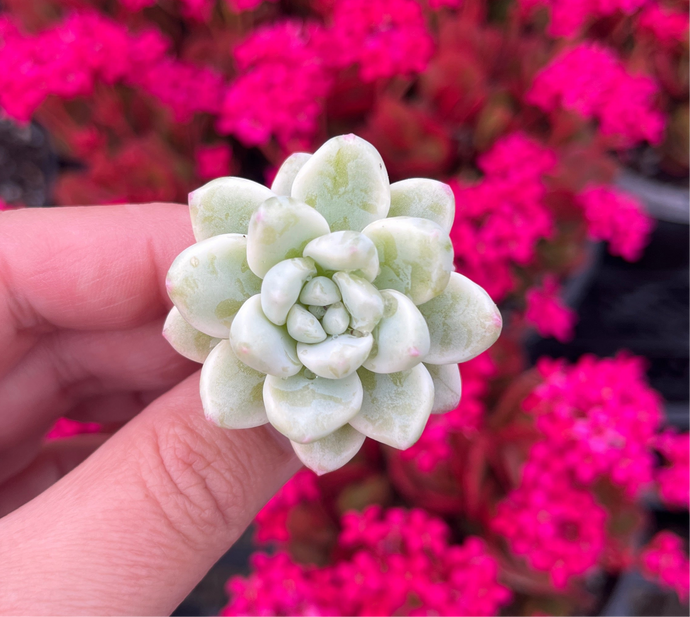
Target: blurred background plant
(560, 125)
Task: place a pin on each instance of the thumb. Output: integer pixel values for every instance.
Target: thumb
(135, 527)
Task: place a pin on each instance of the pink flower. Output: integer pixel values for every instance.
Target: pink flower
(673, 479)
(281, 89)
(665, 562)
(213, 161)
(500, 220)
(556, 528)
(669, 27)
(598, 417)
(384, 37)
(390, 562)
(618, 218)
(64, 428)
(546, 311)
(590, 80)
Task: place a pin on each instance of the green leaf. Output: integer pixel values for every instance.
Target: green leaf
(306, 410)
(423, 198)
(231, 392)
(396, 406)
(261, 344)
(415, 255)
(463, 322)
(361, 299)
(336, 320)
(303, 326)
(209, 281)
(280, 229)
(346, 251)
(401, 339)
(282, 286)
(337, 357)
(347, 182)
(332, 452)
(185, 339)
(225, 205)
(447, 386)
(282, 183)
(320, 291)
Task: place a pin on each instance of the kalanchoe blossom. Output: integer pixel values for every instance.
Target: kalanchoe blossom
(313, 305)
(667, 26)
(384, 38)
(547, 312)
(617, 218)
(665, 561)
(598, 417)
(277, 63)
(591, 81)
(557, 528)
(517, 156)
(399, 560)
(673, 478)
(69, 59)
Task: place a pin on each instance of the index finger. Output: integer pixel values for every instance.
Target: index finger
(86, 268)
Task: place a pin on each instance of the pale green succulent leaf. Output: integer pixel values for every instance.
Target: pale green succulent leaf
(261, 344)
(209, 281)
(346, 251)
(320, 291)
(225, 205)
(336, 320)
(423, 198)
(415, 255)
(282, 285)
(395, 406)
(185, 339)
(337, 356)
(447, 386)
(401, 339)
(231, 392)
(280, 229)
(331, 452)
(361, 299)
(346, 181)
(303, 326)
(282, 183)
(305, 410)
(463, 322)
(317, 311)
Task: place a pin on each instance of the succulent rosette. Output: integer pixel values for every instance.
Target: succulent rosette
(327, 305)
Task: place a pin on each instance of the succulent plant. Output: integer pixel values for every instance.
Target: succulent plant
(327, 305)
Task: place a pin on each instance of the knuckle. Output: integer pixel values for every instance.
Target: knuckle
(193, 484)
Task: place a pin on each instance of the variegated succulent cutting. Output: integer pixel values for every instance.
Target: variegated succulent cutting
(327, 305)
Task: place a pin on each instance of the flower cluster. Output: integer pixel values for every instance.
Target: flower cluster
(617, 218)
(673, 478)
(503, 216)
(281, 87)
(557, 528)
(546, 310)
(402, 561)
(598, 417)
(665, 561)
(667, 26)
(591, 81)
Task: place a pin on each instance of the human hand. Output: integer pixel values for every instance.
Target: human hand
(134, 527)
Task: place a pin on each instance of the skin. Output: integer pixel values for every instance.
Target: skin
(126, 523)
